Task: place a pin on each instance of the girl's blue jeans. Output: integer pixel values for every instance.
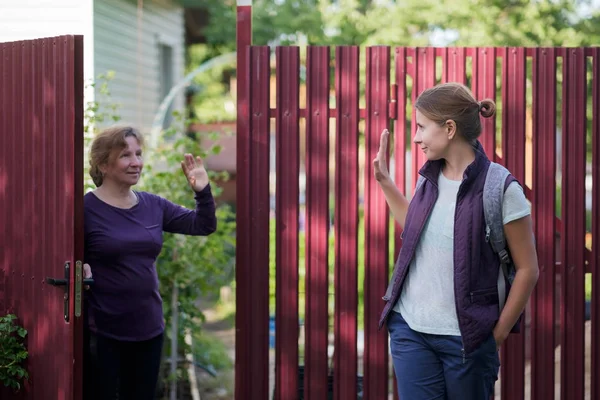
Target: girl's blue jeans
(432, 367)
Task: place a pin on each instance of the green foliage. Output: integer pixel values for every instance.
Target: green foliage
(210, 352)
(198, 266)
(588, 287)
(409, 23)
(12, 353)
(213, 100)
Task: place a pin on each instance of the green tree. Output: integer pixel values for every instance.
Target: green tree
(409, 23)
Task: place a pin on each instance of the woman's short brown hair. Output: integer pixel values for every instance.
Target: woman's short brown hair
(454, 101)
(106, 144)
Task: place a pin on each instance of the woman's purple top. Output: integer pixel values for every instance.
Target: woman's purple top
(121, 247)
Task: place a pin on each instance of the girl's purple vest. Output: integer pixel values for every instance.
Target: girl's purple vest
(476, 266)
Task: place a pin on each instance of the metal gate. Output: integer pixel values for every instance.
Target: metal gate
(41, 208)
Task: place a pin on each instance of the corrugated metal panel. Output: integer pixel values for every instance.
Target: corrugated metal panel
(287, 209)
(346, 213)
(423, 77)
(401, 164)
(252, 260)
(544, 202)
(483, 84)
(513, 153)
(41, 190)
(572, 270)
(243, 265)
(376, 224)
(317, 221)
(127, 41)
(595, 264)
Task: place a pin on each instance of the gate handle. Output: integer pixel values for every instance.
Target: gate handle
(65, 282)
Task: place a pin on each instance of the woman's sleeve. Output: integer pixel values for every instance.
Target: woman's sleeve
(199, 222)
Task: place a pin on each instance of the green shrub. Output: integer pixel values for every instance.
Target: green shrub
(12, 353)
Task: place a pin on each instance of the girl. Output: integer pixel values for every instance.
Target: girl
(442, 308)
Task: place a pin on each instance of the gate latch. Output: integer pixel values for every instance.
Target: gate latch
(65, 283)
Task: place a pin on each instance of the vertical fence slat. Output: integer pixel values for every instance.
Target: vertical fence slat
(252, 273)
(346, 222)
(423, 78)
(513, 152)
(376, 225)
(454, 65)
(483, 83)
(595, 383)
(317, 212)
(543, 211)
(595, 268)
(78, 89)
(400, 133)
(400, 138)
(3, 179)
(243, 263)
(573, 217)
(287, 192)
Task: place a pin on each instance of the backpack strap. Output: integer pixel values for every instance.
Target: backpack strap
(493, 197)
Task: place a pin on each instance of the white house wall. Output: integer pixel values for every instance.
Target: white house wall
(128, 42)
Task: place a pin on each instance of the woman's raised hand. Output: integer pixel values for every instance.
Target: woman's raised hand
(380, 168)
(195, 172)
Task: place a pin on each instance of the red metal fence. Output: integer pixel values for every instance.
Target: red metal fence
(41, 208)
(543, 94)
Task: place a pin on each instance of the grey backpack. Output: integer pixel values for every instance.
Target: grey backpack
(493, 197)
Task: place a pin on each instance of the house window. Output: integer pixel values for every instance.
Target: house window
(166, 79)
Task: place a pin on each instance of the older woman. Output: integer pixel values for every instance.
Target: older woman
(123, 238)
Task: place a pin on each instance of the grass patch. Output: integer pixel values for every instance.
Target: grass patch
(588, 287)
(210, 352)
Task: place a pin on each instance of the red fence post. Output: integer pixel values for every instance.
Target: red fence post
(423, 78)
(513, 153)
(573, 217)
(287, 191)
(400, 135)
(243, 212)
(346, 222)
(376, 225)
(543, 212)
(317, 218)
(252, 274)
(595, 267)
(483, 84)
(400, 139)
(454, 65)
